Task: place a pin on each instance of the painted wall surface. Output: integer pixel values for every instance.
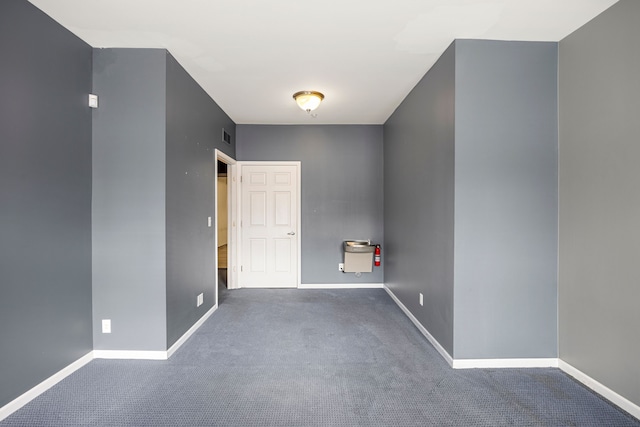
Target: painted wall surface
(129, 199)
(194, 125)
(45, 198)
(599, 203)
(341, 179)
(505, 200)
(419, 195)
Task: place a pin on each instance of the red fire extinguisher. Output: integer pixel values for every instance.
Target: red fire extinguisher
(376, 258)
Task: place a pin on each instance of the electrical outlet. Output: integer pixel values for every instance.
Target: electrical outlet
(421, 299)
(341, 266)
(200, 300)
(106, 326)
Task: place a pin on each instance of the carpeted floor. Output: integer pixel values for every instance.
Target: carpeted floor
(312, 358)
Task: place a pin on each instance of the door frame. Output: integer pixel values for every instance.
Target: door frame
(238, 199)
(231, 219)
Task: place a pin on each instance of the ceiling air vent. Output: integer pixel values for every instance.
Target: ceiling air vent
(226, 136)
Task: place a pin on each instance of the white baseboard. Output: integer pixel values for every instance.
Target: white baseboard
(153, 355)
(341, 286)
(45, 385)
(505, 363)
(473, 363)
(589, 382)
(130, 354)
(421, 328)
(601, 389)
(29, 395)
(191, 331)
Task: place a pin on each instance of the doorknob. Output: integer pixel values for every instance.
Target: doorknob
(291, 233)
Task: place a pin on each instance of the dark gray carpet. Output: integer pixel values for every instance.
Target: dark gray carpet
(312, 358)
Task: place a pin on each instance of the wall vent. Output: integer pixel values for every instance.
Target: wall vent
(226, 136)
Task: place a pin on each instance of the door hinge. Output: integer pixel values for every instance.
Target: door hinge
(241, 269)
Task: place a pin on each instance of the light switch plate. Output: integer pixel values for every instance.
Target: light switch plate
(93, 100)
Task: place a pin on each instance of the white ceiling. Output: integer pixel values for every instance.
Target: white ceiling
(364, 55)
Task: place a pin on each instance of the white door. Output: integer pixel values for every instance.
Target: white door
(269, 224)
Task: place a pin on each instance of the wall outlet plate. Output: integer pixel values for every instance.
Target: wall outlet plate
(421, 299)
(341, 267)
(106, 326)
(200, 300)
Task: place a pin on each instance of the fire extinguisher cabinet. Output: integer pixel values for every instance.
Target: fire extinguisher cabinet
(358, 256)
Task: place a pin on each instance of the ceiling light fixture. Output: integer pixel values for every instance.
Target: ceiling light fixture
(308, 100)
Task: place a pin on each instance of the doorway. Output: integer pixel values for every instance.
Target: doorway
(224, 224)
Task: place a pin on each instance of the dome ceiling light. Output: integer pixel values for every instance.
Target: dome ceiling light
(308, 100)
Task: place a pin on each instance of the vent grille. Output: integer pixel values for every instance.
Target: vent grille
(226, 136)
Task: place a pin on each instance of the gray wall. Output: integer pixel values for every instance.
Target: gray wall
(599, 203)
(129, 199)
(419, 195)
(505, 200)
(471, 162)
(341, 180)
(194, 130)
(45, 198)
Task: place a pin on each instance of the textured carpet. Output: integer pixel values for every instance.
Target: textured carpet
(312, 358)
